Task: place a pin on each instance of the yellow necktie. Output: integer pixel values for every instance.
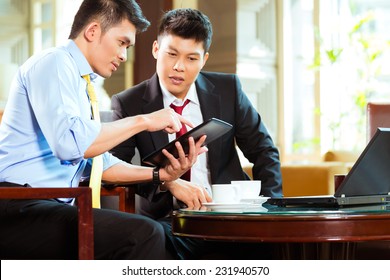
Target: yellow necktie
(95, 179)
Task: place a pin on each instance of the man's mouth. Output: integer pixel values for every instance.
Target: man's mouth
(115, 66)
(176, 80)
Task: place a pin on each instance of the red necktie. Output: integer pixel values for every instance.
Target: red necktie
(179, 109)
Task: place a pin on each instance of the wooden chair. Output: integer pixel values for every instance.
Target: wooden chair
(378, 115)
(125, 193)
(84, 205)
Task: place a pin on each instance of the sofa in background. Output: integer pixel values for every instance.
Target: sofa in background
(313, 178)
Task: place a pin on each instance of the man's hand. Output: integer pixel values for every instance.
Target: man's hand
(178, 166)
(166, 119)
(190, 194)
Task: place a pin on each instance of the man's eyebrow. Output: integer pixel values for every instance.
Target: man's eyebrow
(174, 49)
(128, 41)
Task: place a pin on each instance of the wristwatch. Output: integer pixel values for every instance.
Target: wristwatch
(156, 176)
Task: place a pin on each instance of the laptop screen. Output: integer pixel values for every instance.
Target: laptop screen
(370, 175)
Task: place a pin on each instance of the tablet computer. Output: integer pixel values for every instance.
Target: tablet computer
(213, 128)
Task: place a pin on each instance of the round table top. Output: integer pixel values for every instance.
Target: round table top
(285, 225)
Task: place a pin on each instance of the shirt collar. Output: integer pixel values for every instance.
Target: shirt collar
(169, 98)
(79, 58)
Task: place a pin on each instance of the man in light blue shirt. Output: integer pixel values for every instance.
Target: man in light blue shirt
(47, 128)
(47, 139)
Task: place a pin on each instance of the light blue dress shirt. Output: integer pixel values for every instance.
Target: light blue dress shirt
(47, 126)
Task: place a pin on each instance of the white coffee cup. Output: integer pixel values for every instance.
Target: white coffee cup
(250, 189)
(226, 193)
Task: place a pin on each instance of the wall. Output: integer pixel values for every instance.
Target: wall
(245, 42)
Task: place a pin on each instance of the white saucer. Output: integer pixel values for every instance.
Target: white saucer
(234, 207)
(256, 200)
(227, 205)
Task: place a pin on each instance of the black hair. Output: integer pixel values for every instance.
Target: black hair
(108, 13)
(187, 23)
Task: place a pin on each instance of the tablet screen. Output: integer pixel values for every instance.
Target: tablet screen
(213, 128)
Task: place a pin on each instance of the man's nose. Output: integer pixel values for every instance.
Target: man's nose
(123, 55)
(179, 65)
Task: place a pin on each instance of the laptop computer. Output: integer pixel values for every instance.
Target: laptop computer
(368, 182)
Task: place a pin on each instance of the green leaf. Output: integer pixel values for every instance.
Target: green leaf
(334, 54)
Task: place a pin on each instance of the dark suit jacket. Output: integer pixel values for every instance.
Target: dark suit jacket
(221, 96)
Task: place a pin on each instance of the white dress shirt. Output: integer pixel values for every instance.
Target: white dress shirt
(200, 173)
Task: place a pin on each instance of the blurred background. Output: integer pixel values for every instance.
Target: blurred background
(308, 66)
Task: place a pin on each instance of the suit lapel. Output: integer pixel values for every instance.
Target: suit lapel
(209, 101)
(154, 102)
(210, 104)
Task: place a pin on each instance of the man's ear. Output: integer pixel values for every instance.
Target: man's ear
(206, 56)
(92, 31)
(155, 48)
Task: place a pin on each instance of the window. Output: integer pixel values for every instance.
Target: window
(301, 135)
(334, 63)
(14, 46)
(42, 24)
(51, 22)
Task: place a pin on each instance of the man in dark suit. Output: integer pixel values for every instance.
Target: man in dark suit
(181, 51)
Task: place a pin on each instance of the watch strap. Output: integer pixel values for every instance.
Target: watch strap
(156, 176)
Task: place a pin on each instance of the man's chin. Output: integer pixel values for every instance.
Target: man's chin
(106, 75)
(177, 94)
(176, 90)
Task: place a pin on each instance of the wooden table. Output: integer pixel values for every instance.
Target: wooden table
(297, 234)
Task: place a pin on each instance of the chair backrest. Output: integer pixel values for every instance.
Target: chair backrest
(378, 115)
(120, 197)
(106, 116)
(340, 156)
